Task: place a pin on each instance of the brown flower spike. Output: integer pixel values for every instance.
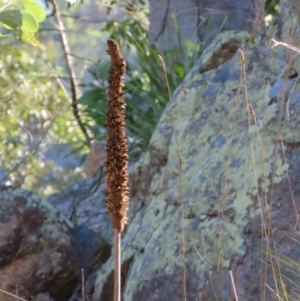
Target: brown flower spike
(116, 146)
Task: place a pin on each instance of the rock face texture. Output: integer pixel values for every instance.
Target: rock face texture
(218, 190)
(217, 193)
(83, 203)
(38, 256)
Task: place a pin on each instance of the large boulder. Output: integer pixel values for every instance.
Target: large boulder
(38, 257)
(218, 191)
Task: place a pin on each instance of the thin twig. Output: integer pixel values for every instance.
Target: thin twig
(5, 6)
(290, 186)
(233, 285)
(87, 19)
(12, 295)
(287, 107)
(183, 248)
(297, 50)
(164, 22)
(59, 81)
(69, 61)
(276, 43)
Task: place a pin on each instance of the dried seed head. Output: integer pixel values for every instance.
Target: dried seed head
(162, 62)
(116, 147)
(114, 52)
(252, 112)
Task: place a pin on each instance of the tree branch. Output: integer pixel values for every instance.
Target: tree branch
(69, 61)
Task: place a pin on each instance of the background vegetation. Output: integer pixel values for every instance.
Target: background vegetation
(42, 147)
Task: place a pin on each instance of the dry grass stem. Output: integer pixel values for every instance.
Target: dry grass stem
(233, 286)
(12, 295)
(290, 187)
(287, 107)
(252, 112)
(82, 285)
(182, 214)
(296, 8)
(276, 43)
(162, 62)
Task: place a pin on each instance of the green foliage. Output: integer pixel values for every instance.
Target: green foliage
(271, 7)
(146, 88)
(35, 9)
(34, 114)
(24, 23)
(132, 6)
(35, 111)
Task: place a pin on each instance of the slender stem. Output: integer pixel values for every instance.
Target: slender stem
(69, 61)
(117, 262)
(233, 285)
(82, 285)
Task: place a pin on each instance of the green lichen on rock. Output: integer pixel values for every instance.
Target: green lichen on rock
(222, 49)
